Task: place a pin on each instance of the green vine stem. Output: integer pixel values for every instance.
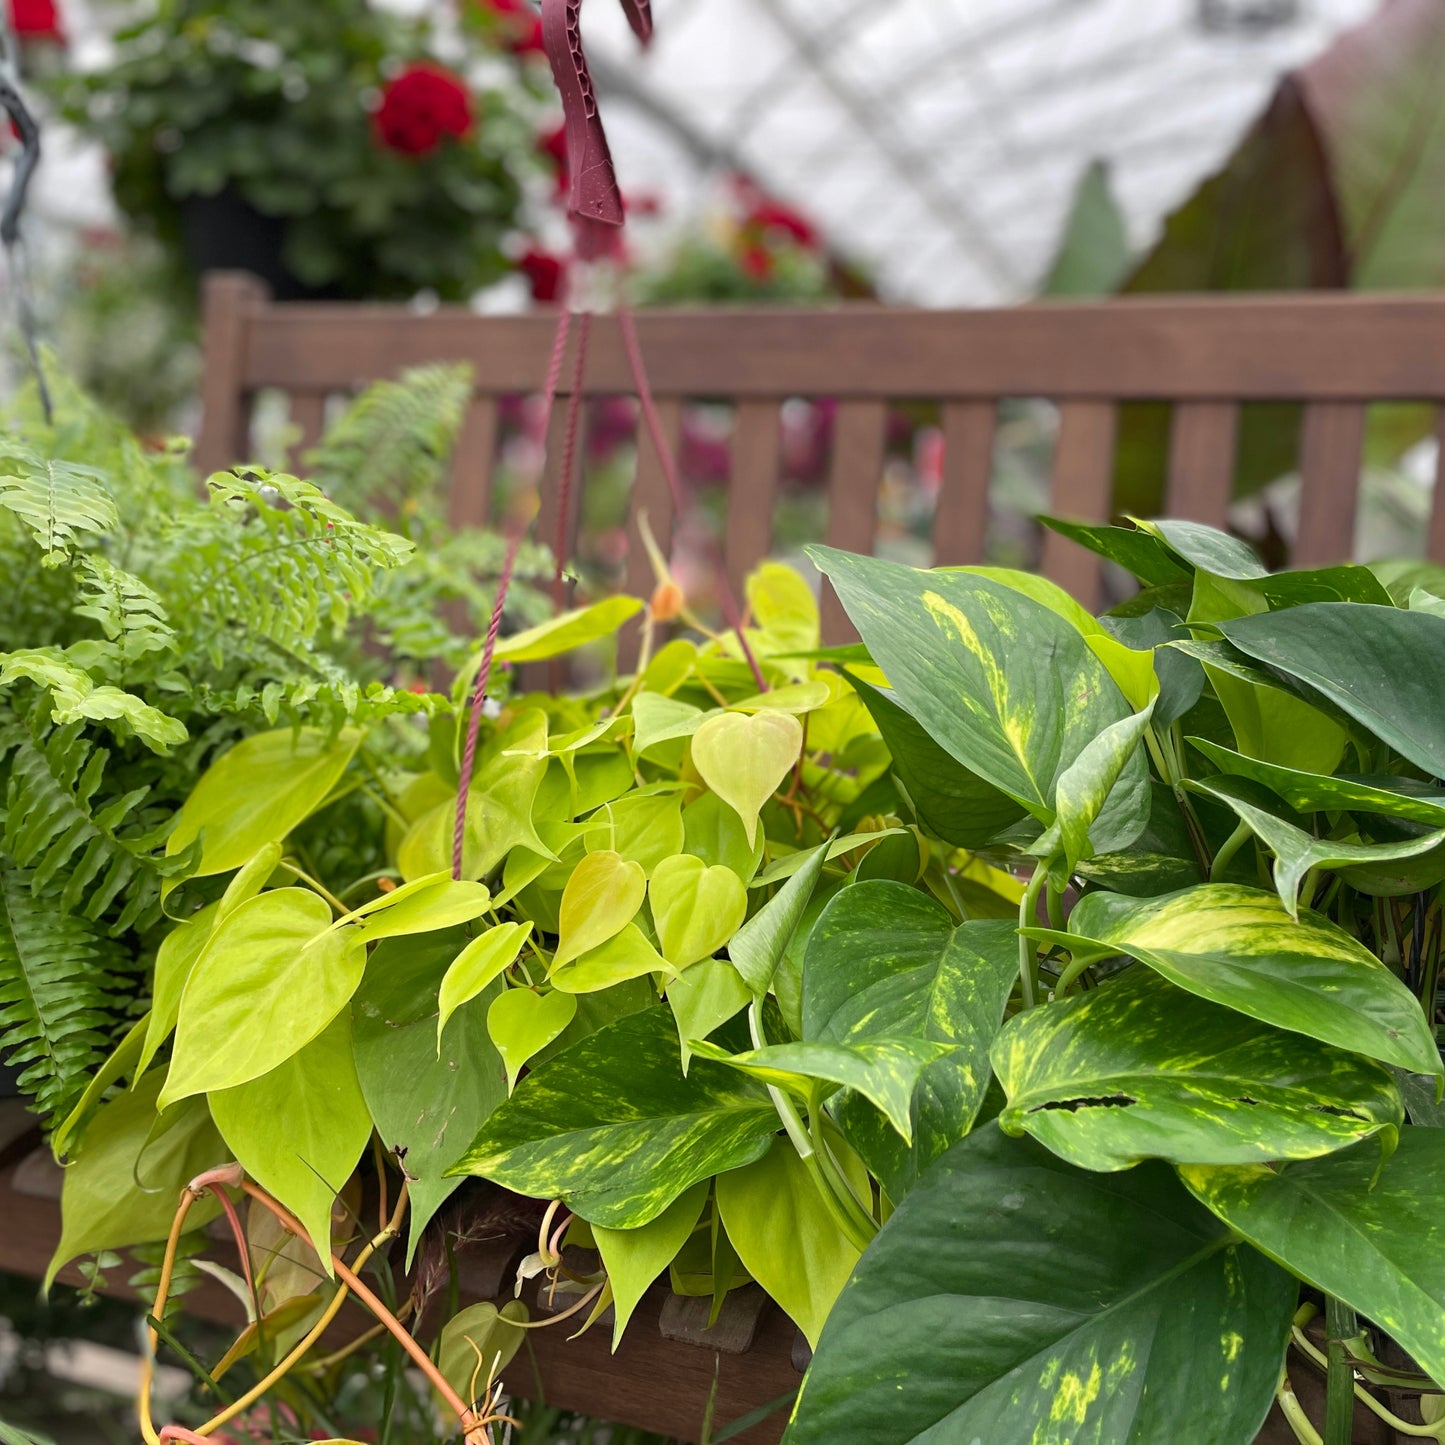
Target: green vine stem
(1340, 1325)
(787, 1110)
(1028, 954)
(1293, 1411)
(1228, 850)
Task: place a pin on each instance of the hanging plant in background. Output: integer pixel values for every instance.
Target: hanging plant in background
(329, 134)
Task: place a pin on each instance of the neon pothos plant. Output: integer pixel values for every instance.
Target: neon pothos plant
(1027, 1001)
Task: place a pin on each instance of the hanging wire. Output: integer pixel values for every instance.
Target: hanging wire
(16, 261)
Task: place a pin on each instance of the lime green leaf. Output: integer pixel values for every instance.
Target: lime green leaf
(421, 906)
(1139, 1069)
(568, 632)
(759, 945)
(696, 908)
(797, 697)
(627, 956)
(1317, 792)
(102, 1206)
(1366, 1232)
(523, 1023)
(714, 833)
(299, 1130)
(883, 1071)
(785, 1235)
(475, 1341)
(658, 718)
(175, 959)
(643, 829)
(614, 1130)
(121, 1061)
(1238, 947)
(1001, 682)
(634, 1258)
(707, 995)
(272, 976)
(885, 960)
(601, 898)
(258, 792)
(744, 758)
(790, 863)
(1014, 1298)
(1297, 852)
(783, 608)
(426, 1105)
(478, 965)
(1382, 666)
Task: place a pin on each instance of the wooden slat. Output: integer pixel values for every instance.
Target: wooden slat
(1202, 444)
(1331, 443)
(756, 453)
(470, 492)
(1215, 348)
(1083, 492)
(859, 432)
(650, 496)
(960, 529)
(1435, 544)
(233, 302)
(308, 416)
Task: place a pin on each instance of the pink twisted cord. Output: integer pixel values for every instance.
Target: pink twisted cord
(729, 602)
(504, 582)
(569, 454)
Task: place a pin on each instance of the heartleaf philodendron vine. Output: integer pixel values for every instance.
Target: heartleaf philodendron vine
(1008, 996)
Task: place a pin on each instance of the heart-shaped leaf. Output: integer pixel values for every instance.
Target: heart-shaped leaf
(1012, 1297)
(714, 833)
(613, 1129)
(258, 792)
(272, 976)
(629, 955)
(480, 963)
(478, 1339)
(299, 1130)
(568, 632)
(601, 898)
(1238, 947)
(696, 908)
(1139, 1069)
(658, 718)
(175, 959)
(744, 759)
(426, 1104)
(703, 998)
(523, 1023)
(1367, 1232)
(883, 1071)
(422, 906)
(643, 828)
(885, 960)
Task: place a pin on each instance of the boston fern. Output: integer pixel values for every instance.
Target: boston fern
(1040, 1007)
(149, 621)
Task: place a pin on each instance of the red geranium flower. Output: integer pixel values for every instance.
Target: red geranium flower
(421, 107)
(35, 20)
(771, 215)
(518, 25)
(545, 272)
(553, 145)
(757, 262)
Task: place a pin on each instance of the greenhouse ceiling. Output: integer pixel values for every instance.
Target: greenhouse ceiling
(939, 141)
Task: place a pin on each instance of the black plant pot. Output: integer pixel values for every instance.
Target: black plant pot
(225, 232)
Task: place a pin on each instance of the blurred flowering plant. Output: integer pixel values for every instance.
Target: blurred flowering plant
(387, 171)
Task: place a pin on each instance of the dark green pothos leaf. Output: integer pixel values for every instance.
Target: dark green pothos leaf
(1382, 666)
(1014, 1299)
(1001, 682)
(1238, 947)
(427, 1103)
(614, 1129)
(1370, 1233)
(885, 960)
(1139, 1069)
(1140, 553)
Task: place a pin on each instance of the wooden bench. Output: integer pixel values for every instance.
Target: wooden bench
(1205, 356)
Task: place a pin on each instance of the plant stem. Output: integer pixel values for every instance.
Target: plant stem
(1290, 1407)
(302, 876)
(1028, 954)
(1340, 1325)
(787, 1110)
(1231, 846)
(1054, 898)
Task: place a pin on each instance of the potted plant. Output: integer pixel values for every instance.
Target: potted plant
(327, 147)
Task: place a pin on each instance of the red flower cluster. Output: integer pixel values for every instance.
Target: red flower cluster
(35, 20)
(421, 107)
(545, 273)
(516, 23)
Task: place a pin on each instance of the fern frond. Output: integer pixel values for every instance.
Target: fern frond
(59, 825)
(393, 442)
(57, 981)
(58, 501)
(130, 614)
